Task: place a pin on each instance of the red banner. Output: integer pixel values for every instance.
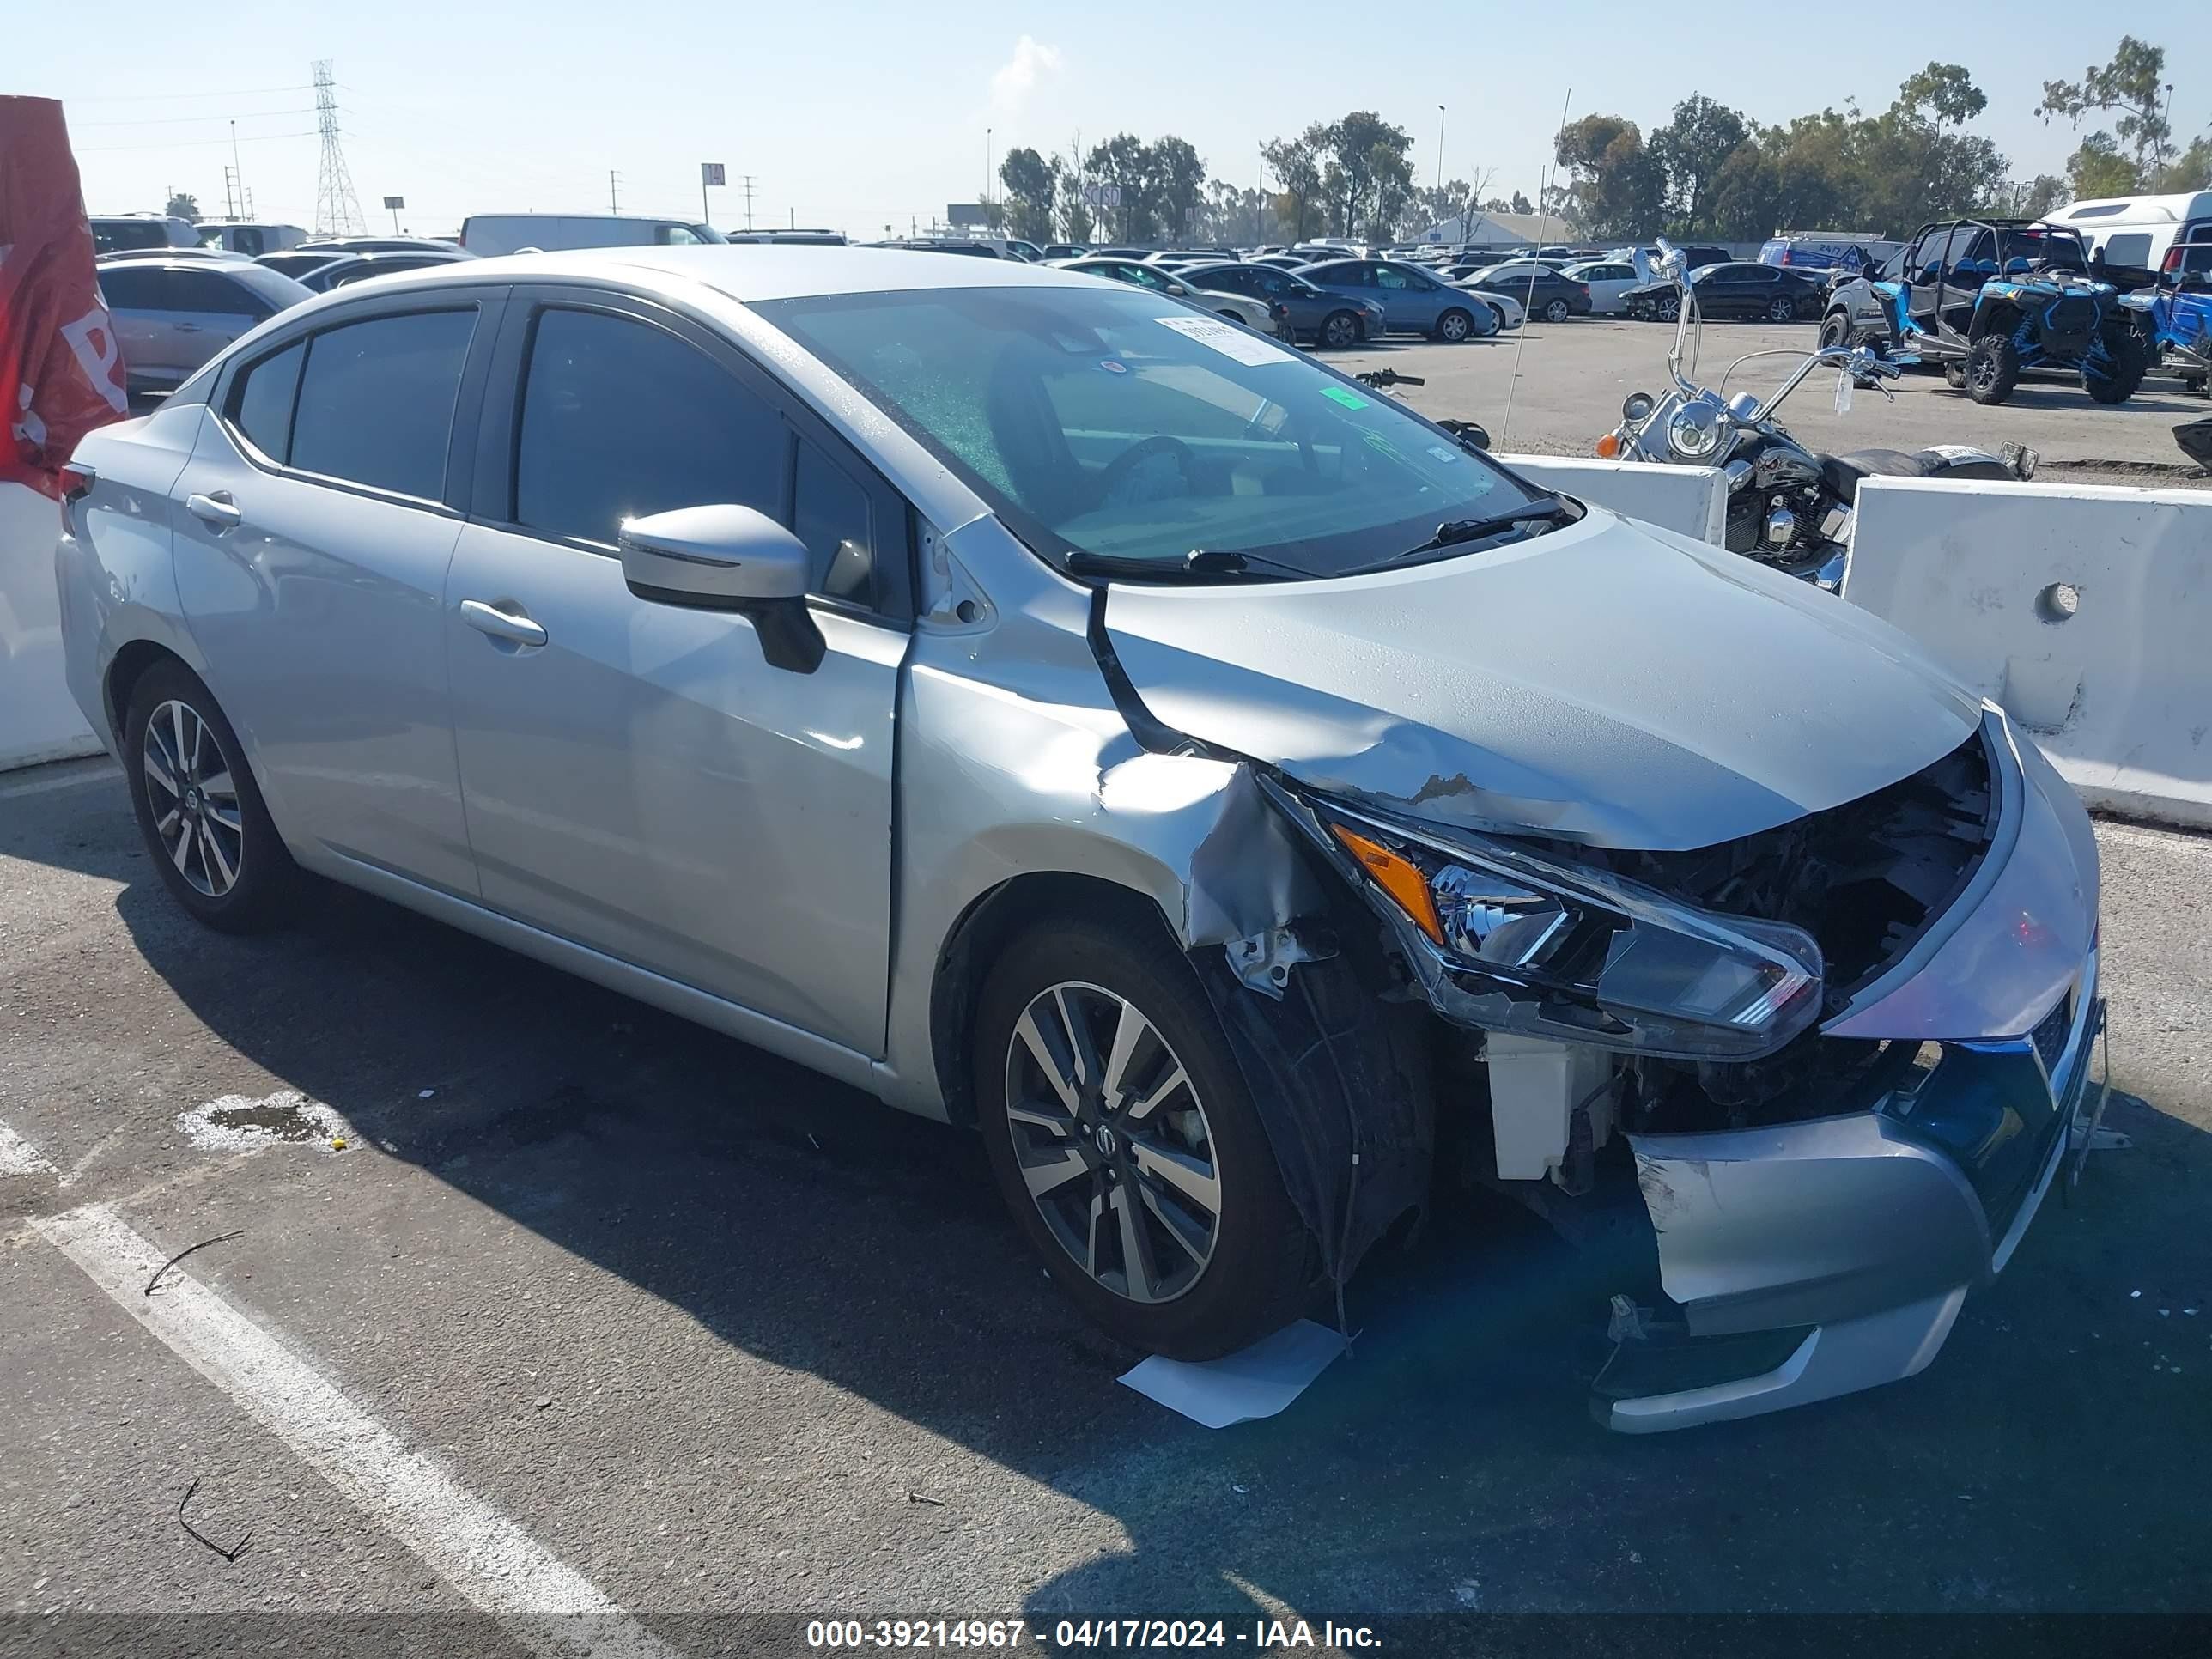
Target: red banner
(61, 368)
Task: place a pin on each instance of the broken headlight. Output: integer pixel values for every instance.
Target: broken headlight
(1526, 943)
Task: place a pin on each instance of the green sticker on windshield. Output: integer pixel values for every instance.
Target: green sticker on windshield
(1337, 394)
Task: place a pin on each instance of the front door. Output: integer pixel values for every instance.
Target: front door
(639, 778)
(311, 564)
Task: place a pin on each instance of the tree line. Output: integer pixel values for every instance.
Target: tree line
(1712, 171)
(1354, 176)
(1709, 171)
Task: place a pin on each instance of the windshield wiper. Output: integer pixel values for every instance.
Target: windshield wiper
(1200, 561)
(1549, 508)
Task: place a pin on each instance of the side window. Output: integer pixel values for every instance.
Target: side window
(206, 294)
(127, 289)
(831, 513)
(675, 235)
(261, 402)
(1386, 278)
(1926, 249)
(376, 400)
(2132, 249)
(620, 419)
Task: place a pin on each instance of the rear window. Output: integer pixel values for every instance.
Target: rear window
(376, 400)
(2131, 249)
(114, 237)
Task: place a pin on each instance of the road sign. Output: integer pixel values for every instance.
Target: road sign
(710, 172)
(967, 215)
(1102, 195)
(395, 202)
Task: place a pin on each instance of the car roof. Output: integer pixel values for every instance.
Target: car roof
(750, 272)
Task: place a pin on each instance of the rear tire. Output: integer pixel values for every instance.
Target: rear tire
(1992, 369)
(1954, 376)
(1558, 311)
(1339, 329)
(1781, 309)
(2130, 362)
(1257, 1262)
(198, 809)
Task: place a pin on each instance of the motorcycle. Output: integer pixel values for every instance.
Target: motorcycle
(1787, 506)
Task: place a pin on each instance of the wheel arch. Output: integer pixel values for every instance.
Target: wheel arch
(984, 929)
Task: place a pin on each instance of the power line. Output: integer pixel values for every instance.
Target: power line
(184, 120)
(174, 97)
(189, 143)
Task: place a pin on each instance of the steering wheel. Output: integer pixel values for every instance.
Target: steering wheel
(1109, 477)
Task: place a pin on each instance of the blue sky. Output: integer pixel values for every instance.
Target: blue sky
(860, 115)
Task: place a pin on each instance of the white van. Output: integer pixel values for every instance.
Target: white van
(251, 240)
(493, 233)
(2134, 231)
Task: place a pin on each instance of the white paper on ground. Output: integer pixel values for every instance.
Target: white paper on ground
(1254, 1382)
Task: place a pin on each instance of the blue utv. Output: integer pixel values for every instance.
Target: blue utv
(1984, 299)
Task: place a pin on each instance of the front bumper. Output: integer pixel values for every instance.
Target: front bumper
(1812, 1259)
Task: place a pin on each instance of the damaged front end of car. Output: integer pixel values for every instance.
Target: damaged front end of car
(1831, 1066)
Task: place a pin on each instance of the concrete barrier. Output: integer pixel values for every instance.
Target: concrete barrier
(1692, 500)
(38, 720)
(2086, 610)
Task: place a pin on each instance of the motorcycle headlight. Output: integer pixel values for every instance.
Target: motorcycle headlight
(1693, 431)
(1553, 950)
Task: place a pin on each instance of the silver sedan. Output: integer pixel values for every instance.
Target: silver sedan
(1058, 710)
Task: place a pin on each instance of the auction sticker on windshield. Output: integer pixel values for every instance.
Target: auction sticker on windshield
(1228, 339)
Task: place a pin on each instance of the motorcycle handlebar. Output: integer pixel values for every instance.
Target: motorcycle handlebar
(1381, 379)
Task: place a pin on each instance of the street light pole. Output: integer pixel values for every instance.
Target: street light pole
(986, 174)
(1440, 147)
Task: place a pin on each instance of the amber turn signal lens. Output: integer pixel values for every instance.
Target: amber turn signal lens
(1608, 445)
(1397, 876)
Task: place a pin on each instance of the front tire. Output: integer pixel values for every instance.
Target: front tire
(1453, 326)
(1339, 329)
(2130, 362)
(1835, 330)
(198, 809)
(1123, 1139)
(1667, 307)
(1992, 369)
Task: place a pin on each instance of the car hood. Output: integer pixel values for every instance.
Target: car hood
(1609, 683)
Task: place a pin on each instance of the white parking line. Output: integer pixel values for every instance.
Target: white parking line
(544, 1604)
(19, 1158)
(101, 774)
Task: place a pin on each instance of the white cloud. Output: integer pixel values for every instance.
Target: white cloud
(1013, 81)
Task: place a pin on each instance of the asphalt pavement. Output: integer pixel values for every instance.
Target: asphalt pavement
(1566, 382)
(598, 1309)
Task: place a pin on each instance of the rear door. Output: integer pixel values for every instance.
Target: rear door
(208, 310)
(639, 778)
(310, 563)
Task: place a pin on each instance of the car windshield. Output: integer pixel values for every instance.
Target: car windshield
(1112, 422)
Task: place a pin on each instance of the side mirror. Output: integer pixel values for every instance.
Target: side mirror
(1468, 435)
(1636, 406)
(1179, 290)
(726, 557)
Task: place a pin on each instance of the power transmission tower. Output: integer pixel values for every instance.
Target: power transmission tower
(338, 209)
(749, 201)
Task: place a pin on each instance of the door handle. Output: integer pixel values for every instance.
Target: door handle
(501, 624)
(215, 509)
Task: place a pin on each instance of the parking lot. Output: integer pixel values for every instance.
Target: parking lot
(1573, 376)
(602, 1295)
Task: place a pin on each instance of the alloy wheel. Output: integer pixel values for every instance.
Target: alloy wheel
(192, 798)
(1113, 1142)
